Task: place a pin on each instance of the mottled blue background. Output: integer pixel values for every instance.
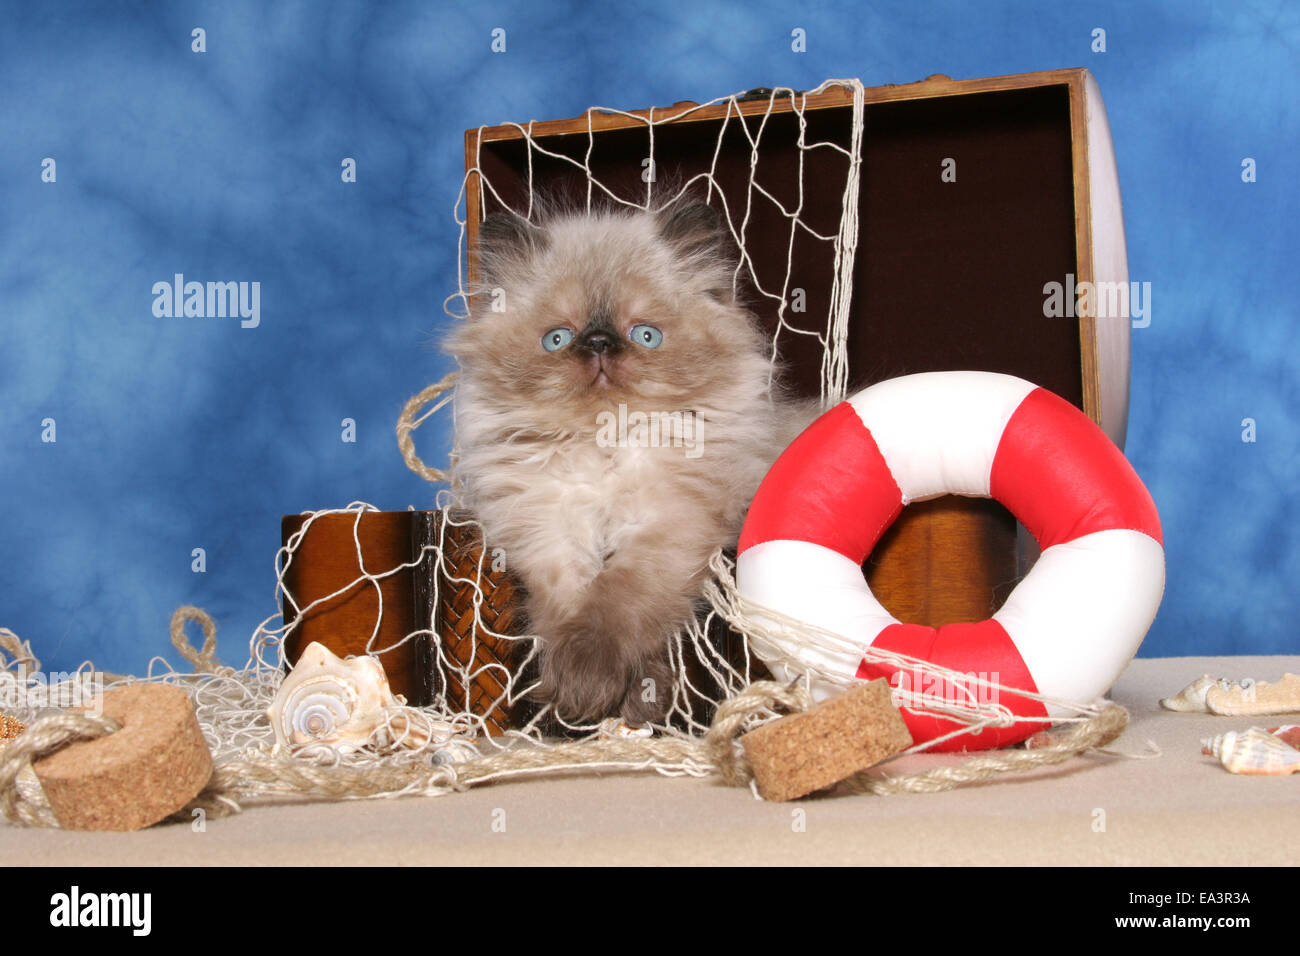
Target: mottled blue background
(176, 434)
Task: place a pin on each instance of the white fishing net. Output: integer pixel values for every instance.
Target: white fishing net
(774, 285)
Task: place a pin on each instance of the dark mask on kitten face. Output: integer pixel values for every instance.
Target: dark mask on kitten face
(587, 312)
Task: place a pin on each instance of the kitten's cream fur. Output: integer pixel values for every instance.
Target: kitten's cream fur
(612, 543)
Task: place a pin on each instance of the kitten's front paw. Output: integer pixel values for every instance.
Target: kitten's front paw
(649, 692)
(583, 677)
(587, 677)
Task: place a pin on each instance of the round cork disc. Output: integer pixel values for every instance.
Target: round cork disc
(130, 779)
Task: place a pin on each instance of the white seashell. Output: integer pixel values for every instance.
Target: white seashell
(618, 727)
(1254, 751)
(1192, 697)
(1252, 698)
(1213, 746)
(327, 700)
(456, 750)
(1289, 734)
(413, 728)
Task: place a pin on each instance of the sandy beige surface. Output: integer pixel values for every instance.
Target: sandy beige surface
(1177, 808)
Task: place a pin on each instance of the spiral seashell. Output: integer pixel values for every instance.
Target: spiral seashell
(1254, 751)
(455, 750)
(1289, 734)
(618, 727)
(327, 700)
(415, 729)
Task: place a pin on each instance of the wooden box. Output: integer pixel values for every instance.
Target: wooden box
(950, 270)
(412, 596)
(440, 615)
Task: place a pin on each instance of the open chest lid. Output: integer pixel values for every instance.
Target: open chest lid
(937, 225)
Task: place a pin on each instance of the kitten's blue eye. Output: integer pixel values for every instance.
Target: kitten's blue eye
(646, 335)
(556, 339)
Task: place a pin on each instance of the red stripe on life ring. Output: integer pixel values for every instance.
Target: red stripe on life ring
(1060, 475)
(984, 649)
(846, 495)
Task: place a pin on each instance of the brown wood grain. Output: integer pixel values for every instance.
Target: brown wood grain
(1084, 268)
(325, 562)
(424, 600)
(946, 560)
(474, 670)
(596, 121)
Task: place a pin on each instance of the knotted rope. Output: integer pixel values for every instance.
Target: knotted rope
(21, 801)
(408, 422)
(19, 651)
(205, 660)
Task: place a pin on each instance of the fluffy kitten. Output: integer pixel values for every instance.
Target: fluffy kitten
(611, 535)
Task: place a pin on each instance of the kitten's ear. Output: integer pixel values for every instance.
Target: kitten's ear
(692, 228)
(699, 235)
(505, 240)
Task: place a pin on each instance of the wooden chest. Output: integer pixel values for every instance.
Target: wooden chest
(973, 197)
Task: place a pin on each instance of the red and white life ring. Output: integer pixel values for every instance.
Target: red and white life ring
(1066, 631)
